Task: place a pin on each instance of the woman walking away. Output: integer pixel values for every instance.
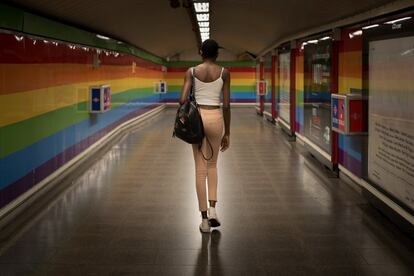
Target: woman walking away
(211, 81)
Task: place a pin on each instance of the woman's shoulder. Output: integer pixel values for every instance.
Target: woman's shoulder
(226, 72)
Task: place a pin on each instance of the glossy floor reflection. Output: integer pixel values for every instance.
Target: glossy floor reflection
(134, 212)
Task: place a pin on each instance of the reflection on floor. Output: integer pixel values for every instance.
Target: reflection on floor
(134, 212)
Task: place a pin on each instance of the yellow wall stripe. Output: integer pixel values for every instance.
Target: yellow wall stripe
(21, 106)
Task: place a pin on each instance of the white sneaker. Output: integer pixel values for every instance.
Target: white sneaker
(204, 226)
(212, 217)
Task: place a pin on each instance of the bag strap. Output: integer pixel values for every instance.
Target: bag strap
(192, 89)
(211, 148)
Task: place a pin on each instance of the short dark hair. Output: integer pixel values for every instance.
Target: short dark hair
(209, 48)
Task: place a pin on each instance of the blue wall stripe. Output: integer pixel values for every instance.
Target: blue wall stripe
(18, 164)
(345, 143)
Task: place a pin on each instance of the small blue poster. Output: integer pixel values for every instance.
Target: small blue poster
(96, 99)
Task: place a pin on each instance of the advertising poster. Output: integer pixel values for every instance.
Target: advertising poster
(338, 114)
(95, 99)
(261, 88)
(391, 117)
(268, 77)
(107, 98)
(317, 94)
(284, 87)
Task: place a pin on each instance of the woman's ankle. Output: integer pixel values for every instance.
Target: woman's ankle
(212, 203)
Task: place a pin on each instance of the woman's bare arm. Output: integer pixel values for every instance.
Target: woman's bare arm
(225, 143)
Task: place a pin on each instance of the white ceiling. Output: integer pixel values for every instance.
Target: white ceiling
(238, 25)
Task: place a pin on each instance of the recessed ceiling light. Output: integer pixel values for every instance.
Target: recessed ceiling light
(19, 38)
(102, 37)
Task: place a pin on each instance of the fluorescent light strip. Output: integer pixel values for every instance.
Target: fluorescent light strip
(201, 7)
(398, 20)
(370, 26)
(313, 41)
(204, 30)
(325, 38)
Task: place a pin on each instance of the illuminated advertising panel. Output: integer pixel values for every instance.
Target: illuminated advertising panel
(284, 87)
(317, 94)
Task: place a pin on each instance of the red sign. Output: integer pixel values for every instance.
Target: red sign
(348, 114)
(356, 118)
(261, 88)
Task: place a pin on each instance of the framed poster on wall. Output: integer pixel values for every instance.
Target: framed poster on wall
(284, 87)
(390, 83)
(317, 93)
(267, 63)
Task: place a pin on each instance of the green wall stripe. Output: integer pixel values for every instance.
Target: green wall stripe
(22, 134)
(18, 20)
(243, 88)
(11, 18)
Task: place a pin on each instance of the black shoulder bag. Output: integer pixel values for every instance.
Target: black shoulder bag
(188, 124)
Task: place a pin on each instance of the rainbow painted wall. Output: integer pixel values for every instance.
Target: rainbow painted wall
(351, 148)
(299, 85)
(243, 80)
(46, 70)
(267, 63)
(44, 118)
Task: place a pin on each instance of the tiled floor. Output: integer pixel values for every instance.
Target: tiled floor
(134, 212)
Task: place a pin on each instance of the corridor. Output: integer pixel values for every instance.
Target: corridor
(134, 212)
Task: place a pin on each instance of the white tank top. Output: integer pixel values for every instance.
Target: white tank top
(208, 93)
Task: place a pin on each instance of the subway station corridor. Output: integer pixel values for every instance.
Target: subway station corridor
(133, 211)
(316, 98)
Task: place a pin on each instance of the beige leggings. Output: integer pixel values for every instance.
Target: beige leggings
(213, 129)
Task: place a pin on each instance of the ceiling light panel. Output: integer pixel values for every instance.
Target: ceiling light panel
(203, 17)
(204, 24)
(202, 13)
(201, 7)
